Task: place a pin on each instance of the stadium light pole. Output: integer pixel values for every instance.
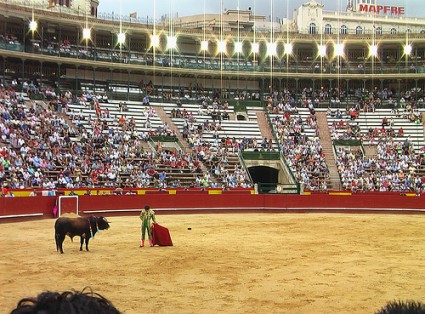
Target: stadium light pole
(255, 47)
(204, 44)
(238, 50)
(271, 47)
(33, 23)
(86, 31)
(171, 45)
(221, 48)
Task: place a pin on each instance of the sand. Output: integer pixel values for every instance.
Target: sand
(229, 263)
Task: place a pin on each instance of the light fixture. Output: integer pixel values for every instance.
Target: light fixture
(338, 50)
(172, 42)
(33, 26)
(86, 33)
(408, 49)
(121, 38)
(271, 49)
(288, 48)
(204, 45)
(221, 46)
(321, 50)
(238, 47)
(255, 47)
(155, 41)
(373, 50)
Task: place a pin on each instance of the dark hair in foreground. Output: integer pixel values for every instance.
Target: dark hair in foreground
(67, 302)
(402, 307)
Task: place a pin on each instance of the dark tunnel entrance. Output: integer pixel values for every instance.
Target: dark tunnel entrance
(266, 177)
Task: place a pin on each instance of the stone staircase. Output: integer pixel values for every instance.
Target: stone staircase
(263, 123)
(326, 141)
(165, 118)
(183, 143)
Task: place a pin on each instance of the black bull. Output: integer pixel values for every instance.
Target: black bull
(84, 227)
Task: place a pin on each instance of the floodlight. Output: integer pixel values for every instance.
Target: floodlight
(238, 47)
(408, 49)
(271, 49)
(255, 47)
(86, 33)
(121, 38)
(172, 42)
(155, 41)
(33, 26)
(373, 50)
(221, 46)
(339, 50)
(288, 48)
(321, 50)
(204, 45)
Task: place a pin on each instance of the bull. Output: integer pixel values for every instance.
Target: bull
(84, 227)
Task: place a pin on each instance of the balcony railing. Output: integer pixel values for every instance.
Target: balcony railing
(211, 63)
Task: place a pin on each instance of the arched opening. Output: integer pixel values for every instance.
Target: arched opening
(240, 117)
(266, 177)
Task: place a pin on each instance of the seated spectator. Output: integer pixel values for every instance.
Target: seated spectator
(146, 101)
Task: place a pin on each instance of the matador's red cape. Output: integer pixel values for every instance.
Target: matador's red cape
(161, 236)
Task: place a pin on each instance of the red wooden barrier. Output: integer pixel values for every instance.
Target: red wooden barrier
(41, 206)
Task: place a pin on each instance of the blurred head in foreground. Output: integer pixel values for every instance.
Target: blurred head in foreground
(67, 302)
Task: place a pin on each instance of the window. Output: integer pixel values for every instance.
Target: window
(378, 31)
(328, 29)
(312, 30)
(359, 30)
(393, 31)
(344, 30)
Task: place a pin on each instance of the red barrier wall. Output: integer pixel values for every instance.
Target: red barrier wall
(162, 202)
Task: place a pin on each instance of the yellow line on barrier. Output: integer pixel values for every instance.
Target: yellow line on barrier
(215, 191)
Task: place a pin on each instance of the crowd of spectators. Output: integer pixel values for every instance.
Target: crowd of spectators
(216, 154)
(303, 153)
(41, 149)
(394, 168)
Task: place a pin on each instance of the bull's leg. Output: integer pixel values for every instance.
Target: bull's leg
(59, 241)
(81, 243)
(87, 244)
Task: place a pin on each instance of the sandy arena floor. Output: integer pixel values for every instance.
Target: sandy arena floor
(228, 263)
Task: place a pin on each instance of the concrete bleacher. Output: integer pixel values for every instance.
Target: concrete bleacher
(372, 120)
(304, 113)
(229, 128)
(175, 176)
(134, 110)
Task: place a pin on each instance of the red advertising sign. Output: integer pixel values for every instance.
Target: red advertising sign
(381, 9)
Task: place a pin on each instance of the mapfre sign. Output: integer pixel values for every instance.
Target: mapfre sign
(381, 9)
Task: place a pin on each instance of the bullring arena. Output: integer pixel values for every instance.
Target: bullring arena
(231, 263)
(285, 154)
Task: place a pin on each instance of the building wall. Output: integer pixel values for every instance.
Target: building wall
(315, 12)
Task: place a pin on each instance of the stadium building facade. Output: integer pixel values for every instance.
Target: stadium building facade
(369, 46)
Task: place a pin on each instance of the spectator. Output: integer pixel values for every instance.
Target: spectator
(84, 302)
